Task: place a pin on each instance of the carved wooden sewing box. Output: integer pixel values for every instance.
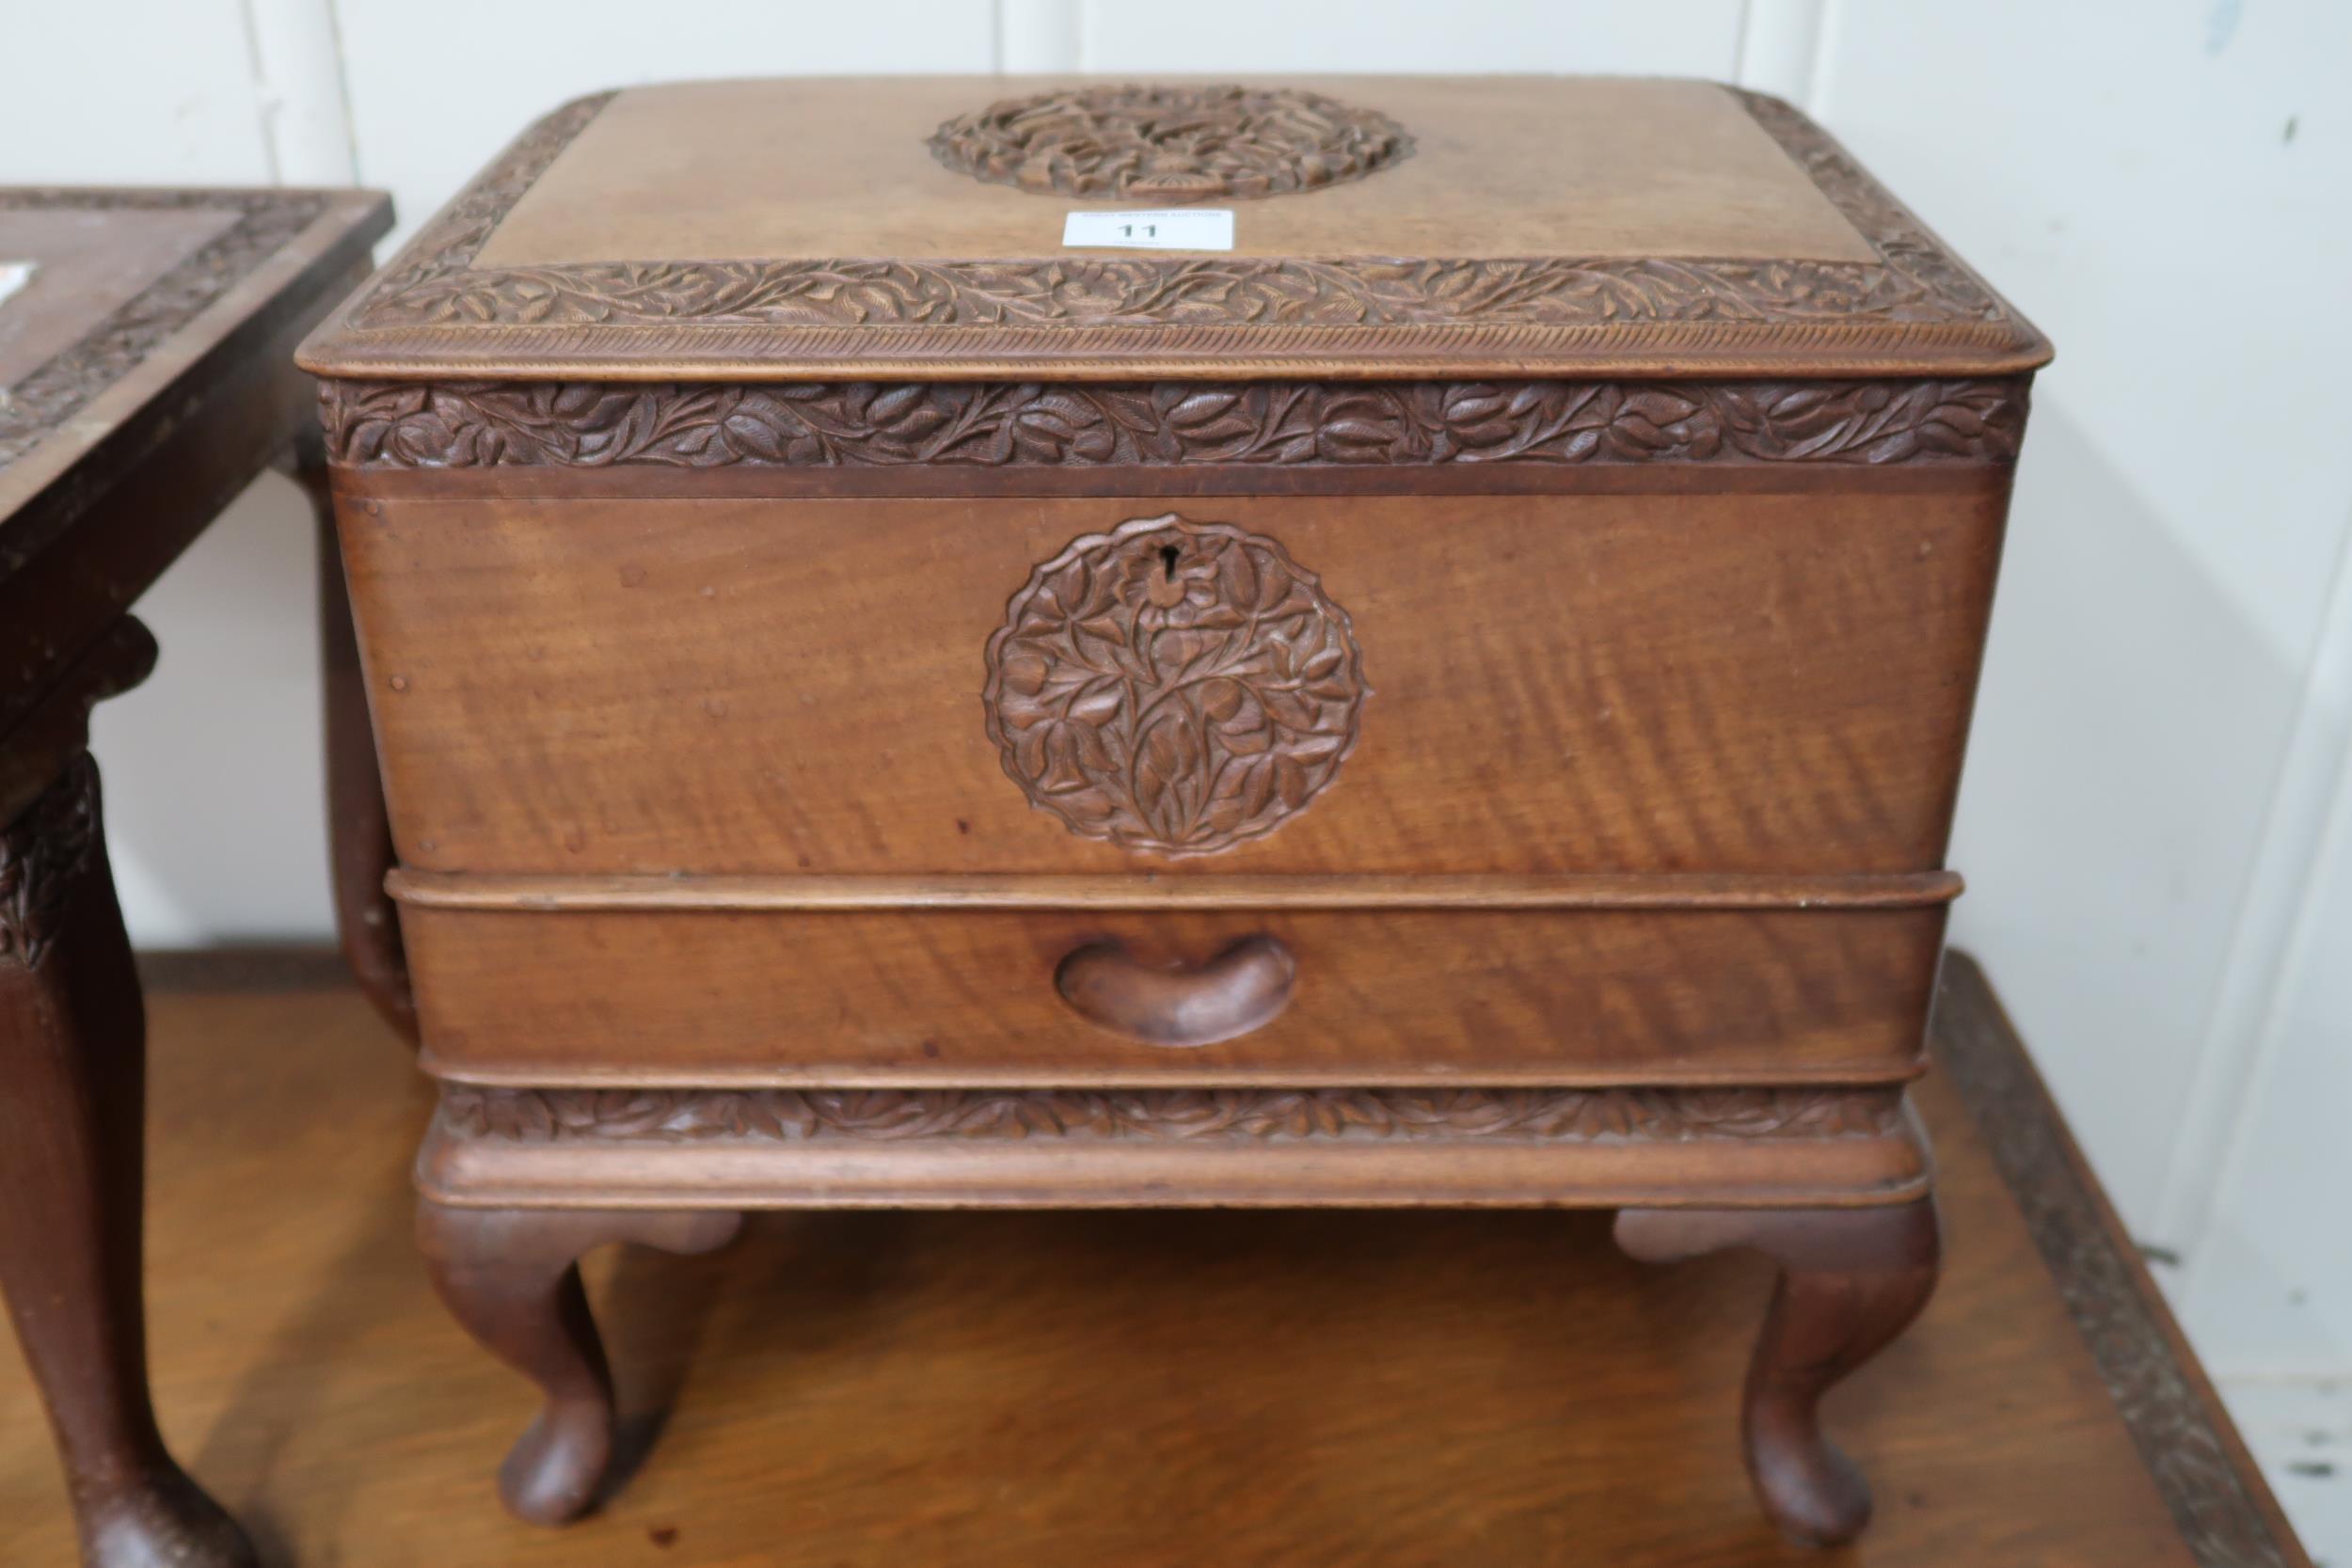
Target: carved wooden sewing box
(1455, 699)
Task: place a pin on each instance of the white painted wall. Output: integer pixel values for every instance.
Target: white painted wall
(2157, 818)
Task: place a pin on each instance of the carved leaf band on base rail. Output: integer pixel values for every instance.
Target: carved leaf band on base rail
(1264, 423)
(677, 1116)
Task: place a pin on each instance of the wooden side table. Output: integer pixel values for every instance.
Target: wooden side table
(145, 379)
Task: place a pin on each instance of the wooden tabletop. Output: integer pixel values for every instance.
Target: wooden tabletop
(146, 377)
(1129, 1389)
(133, 291)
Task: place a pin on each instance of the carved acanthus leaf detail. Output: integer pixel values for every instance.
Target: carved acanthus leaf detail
(40, 855)
(1173, 687)
(1137, 143)
(672, 1115)
(873, 424)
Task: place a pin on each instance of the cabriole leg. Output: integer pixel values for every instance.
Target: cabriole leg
(511, 1276)
(1851, 1280)
(73, 1101)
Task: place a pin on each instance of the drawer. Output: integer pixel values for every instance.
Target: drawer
(874, 996)
(1721, 683)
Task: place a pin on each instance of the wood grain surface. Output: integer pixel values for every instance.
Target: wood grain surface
(85, 270)
(1399, 996)
(1149, 890)
(690, 170)
(1657, 682)
(1293, 1389)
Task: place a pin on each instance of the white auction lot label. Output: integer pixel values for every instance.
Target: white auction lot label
(1179, 228)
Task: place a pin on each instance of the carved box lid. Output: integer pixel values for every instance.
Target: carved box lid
(913, 228)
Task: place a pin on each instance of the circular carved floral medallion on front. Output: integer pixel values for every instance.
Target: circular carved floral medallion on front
(1170, 143)
(1173, 687)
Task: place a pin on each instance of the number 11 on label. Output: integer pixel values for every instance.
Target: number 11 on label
(1181, 229)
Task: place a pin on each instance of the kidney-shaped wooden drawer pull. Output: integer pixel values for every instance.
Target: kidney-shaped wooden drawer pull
(1242, 988)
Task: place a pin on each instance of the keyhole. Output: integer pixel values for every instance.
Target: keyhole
(1166, 590)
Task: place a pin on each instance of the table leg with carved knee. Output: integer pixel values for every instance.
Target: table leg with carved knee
(1850, 1281)
(72, 1072)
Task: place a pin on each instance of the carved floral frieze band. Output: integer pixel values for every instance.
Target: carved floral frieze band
(1913, 286)
(1266, 423)
(42, 853)
(675, 1115)
(1173, 687)
(1138, 143)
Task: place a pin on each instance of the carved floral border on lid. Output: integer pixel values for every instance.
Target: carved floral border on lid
(1176, 144)
(1915, 296)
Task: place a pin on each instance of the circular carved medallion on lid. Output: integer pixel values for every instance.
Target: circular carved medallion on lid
(1170, 143)
(1173, 687)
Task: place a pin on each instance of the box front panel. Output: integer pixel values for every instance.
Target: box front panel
(1765, 683)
